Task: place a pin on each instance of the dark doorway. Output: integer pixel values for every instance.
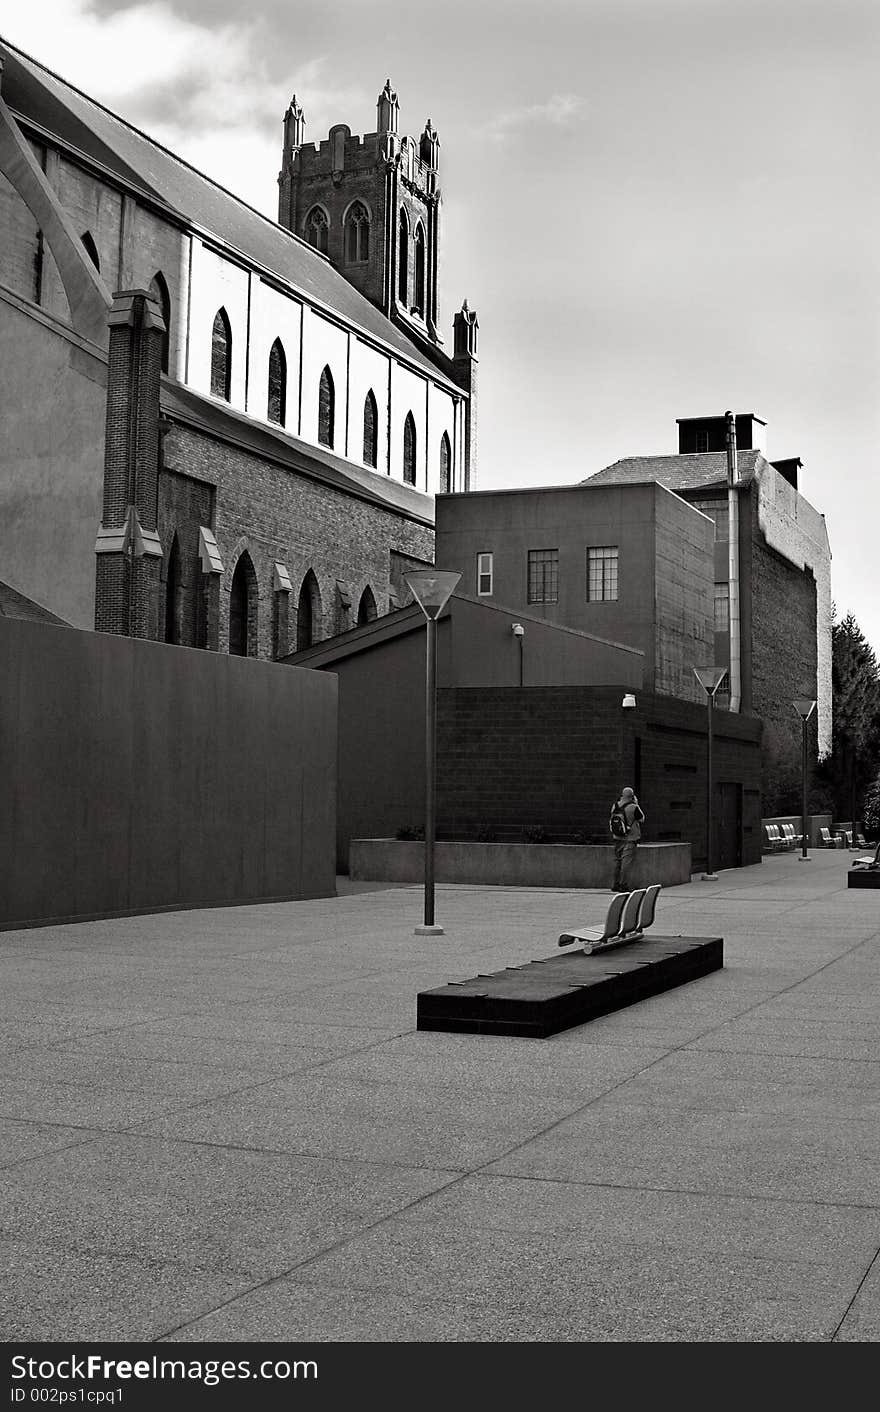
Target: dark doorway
(729, 824)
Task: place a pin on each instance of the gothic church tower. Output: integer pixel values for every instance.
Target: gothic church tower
(371, 204)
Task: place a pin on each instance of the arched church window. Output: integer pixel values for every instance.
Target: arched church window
(357, 234)
(419, 300)
(371, 430)
(445, 464)
(159, 291)
(403, 258)
(317, 228)
(326, 408)
(308, 615)
(221, 356)
(243, 609)
(367, 607)
(409, 449)
(172, 593)
(276, 409)
(91, 249)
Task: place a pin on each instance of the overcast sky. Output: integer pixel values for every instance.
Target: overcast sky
(658, 208)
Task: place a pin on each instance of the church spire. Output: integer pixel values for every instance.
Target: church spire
(387, 109)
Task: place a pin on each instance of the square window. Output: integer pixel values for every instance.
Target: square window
(484, 575)
(543, 575)
(602, 573)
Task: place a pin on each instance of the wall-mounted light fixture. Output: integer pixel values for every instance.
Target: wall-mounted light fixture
(519, 633)
(629, 701)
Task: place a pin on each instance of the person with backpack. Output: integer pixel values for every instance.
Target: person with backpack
(625, 825)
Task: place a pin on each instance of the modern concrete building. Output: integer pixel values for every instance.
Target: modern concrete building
(245, 421)
(631, 565)
(771, 581)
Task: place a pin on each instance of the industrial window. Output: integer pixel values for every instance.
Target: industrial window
(445, 464)
(722, 607)
(221, 356)
(602, 573)
(371, 430)
(326, 408)
(484, 575)
(276, 409)
(316, 228)
(419, 300)
(91, 249)
(409, 450)
(701, 440)
(402, 258)
(357, 234)
(159, 291)
(543, 575)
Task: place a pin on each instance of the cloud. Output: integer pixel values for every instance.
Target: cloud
(203, 88)
(559, 110)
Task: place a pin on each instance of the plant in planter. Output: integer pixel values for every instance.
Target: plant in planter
(534, 833)
(414, 832)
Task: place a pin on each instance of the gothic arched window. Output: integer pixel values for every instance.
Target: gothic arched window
(326, 408)
(419, 300)
(159, 291)
(371, 430)
(367, 607)
(308, 616)
(172, 593)
(409, 449)
(243, 609)
(91, 249)
(445, 464)
(317, 229)
(221, 356)
(357, 234)
(276, 409)
(403, 258)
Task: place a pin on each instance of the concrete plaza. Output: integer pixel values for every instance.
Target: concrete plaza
(223, 1125)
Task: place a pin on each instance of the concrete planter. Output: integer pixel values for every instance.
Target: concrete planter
(516, 864)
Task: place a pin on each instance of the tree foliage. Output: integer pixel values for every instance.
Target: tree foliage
(855, 752)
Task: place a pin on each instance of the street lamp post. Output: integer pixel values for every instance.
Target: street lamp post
(431, 589)
(805, 707)
(710, 679)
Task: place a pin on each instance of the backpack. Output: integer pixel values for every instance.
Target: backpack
(618, 823)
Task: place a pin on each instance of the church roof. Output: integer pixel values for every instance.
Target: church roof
(696, 471)
(49, 103)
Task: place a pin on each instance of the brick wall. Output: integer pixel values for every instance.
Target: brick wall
(277, 515)
(557, 757)
(784, 665)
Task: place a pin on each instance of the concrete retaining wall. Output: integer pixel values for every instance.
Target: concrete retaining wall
(517, 864)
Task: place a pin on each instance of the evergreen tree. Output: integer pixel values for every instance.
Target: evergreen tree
(855, 752)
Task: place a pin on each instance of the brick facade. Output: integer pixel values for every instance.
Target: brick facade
(557, 757)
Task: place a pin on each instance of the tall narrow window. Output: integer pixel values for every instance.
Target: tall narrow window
(366, 607)
(602, 574)
(276, 409)
(159, 291)
(722, 607)
(371, 430)
(243, 609)
(543, 575)
(172, 593)
(91, 249)
(419, 300)
(445, 464)
(701, 440)
(326, 408)
(317, 229)
(308, 617)
(221, 356)
(357, 234)
(484, 575)
(409, 449)
(403, 259)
